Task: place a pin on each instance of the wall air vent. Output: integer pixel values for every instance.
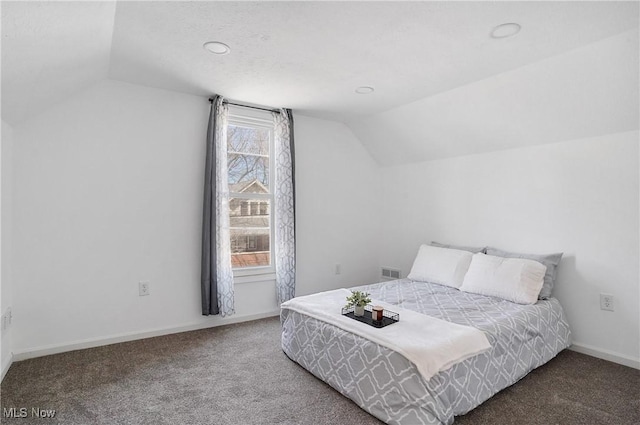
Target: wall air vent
(389, 273)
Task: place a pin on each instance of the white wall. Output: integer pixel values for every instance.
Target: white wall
(6, 297)
(580, 197)
(108, 191)
(337, 210)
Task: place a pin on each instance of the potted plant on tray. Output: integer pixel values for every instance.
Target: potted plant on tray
(358, 300)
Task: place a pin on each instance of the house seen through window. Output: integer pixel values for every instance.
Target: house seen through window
(249, 144)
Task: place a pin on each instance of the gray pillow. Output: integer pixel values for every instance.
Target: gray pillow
(549, 260)
(474, 249)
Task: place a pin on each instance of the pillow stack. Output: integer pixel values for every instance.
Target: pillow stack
(513, 279)
(519, 278)
(440, 265)
(549, 260)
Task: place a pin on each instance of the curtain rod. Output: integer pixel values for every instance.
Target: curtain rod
(247, 106)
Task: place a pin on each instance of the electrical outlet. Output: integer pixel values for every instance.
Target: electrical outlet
(143, 288)
(7, 317)
(606, 302)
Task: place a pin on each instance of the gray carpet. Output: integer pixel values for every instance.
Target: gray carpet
(238, 375)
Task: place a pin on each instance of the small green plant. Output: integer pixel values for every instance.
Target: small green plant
(358, 299)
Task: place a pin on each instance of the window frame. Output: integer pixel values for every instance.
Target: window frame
(248, 117)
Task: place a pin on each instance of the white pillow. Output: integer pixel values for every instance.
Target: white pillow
(513, 279)
(440, 265)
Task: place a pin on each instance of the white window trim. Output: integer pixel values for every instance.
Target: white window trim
(248, 275)
(262, 119)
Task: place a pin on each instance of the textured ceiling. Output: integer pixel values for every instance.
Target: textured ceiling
(310, 56)
(443, 86)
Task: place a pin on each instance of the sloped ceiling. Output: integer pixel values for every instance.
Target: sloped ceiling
(590, 91)
(51, 50)
(444, 87)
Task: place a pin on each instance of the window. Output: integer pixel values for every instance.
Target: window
(249, 148)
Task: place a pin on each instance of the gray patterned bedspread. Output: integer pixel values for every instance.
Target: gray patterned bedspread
(388, 386)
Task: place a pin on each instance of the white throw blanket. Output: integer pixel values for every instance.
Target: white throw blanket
(432, 344)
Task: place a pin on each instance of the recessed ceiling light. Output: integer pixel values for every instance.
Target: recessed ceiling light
(505, 30)
(364, 90)
(217, 47)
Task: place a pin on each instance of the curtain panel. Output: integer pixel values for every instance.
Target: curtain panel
(284, 196)
(216, 271)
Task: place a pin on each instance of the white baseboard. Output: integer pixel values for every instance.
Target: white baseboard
(606, 355)
(131, 336)
(5, 367)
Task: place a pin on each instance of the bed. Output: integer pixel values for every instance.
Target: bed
(389, 386)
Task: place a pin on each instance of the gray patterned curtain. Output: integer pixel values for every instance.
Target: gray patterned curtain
(284, 218)
(216, 271)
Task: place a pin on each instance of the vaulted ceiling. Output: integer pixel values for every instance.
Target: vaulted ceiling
(443, 85)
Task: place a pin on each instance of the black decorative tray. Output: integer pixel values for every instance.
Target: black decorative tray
(388, 317)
